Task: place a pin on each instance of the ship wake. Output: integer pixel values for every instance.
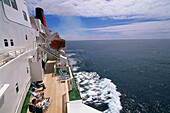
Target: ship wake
(99, 93)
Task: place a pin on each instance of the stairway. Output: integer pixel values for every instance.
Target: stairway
(50, 51)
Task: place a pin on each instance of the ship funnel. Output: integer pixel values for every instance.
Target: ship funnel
(40, 15)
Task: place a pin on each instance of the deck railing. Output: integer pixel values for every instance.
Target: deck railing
(7, 56)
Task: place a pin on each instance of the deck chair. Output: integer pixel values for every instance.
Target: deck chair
(63, 77)
(33, 85)
(40, 95)
(37, 88)
(45, 102)
(62, 73)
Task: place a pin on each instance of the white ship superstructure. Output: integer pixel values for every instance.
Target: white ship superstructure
(20, 56)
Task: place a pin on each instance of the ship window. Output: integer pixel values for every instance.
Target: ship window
(12, 42)
(25, 15)
(37, 38)
(14, 5)
(26, 37)
(6, 42)
(41, 26)
(7, 2)
(27, 70)
(17, 87)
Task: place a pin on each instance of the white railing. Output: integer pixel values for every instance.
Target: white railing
(7, 56)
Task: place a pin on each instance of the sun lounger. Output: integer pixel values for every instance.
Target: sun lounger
(46, 102)
(33, 85)
(62, 73)
(63, 78)
(37, 97)
(40, 88)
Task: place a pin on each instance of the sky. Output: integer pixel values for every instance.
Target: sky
(106, 19)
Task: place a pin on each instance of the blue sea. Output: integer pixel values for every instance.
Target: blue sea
(126, 76)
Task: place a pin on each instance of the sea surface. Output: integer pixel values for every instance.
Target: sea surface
(126, 76)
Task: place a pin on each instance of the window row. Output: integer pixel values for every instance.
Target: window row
(11, 41)
(6, 42)
(13, 3)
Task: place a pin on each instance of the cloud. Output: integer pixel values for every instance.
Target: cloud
(67, 27)
(153, 29)
(116, 9)
(71, 12)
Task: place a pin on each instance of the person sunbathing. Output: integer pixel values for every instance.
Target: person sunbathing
(37, 94)
(38, 107)
(38, 85)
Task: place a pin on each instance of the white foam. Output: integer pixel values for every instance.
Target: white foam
(75, 68)
(72, 61)
(70, 54)
(98, 91)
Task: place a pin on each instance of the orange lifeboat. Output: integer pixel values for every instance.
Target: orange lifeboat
(57, 44)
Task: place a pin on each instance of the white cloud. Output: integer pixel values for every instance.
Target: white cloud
(118, 9)
(154, 29)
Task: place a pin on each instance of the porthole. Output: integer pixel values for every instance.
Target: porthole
(27, 70)
(12, 42)
(6, 42)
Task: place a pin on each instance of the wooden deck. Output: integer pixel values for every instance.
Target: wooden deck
(57, 91)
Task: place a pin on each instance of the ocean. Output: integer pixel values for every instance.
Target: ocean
(126, 76)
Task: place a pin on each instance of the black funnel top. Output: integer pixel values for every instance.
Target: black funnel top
(39, 13)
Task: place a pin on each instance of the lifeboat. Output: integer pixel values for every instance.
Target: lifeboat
(57, 44)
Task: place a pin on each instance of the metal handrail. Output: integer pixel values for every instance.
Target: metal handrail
(7, 56)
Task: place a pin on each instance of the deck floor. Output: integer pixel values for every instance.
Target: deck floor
(56, 90)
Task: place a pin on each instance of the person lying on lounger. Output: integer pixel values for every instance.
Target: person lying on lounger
(37, 94)
(38, 85)
(38, 107)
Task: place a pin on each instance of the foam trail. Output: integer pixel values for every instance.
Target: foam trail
(74, 50)
(71, 54)
(74, 68)
(73, 61)
(95, 90)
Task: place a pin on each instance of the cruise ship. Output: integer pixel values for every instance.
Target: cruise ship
(29, 52)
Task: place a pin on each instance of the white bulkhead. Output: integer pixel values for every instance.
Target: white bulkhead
(15, 26)
(18, 35)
